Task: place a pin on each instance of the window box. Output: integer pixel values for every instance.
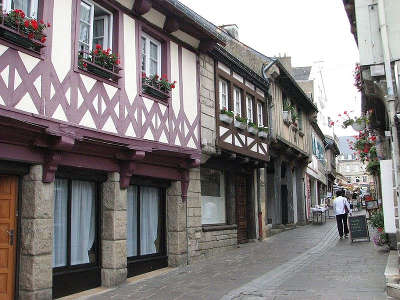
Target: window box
(95, 64)
(20, 34)
(252, 130)
(225, 118)
(155, 91)
(286, 116)
(239, 125)
(263, 134)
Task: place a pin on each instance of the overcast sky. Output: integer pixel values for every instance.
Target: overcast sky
(308, 31)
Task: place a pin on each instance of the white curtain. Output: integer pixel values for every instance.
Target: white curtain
(149, 215)
(60, 223)
(30, 7)
(82, 221)
(132, 221)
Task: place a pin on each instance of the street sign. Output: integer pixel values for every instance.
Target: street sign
(358, 228)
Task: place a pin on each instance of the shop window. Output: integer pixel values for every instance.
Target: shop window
(249, 105)
(223, 94)
(74, 223)
(212, 196)
(95, 41)
(145, 221)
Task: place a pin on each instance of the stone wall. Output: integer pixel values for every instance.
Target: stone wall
(207, 102)
(37, 213)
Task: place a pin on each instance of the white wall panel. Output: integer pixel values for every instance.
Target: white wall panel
(189, 74)
(130, 58)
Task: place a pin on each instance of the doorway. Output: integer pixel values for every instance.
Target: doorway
(8, 203)
(241, 207)
(284, 195)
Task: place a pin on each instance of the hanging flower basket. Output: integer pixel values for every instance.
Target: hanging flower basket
(358, 125)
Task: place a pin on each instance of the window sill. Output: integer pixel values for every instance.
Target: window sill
(155, 93)
(209, 228)
(18, 41)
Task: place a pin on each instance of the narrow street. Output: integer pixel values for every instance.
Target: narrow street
(308, 262)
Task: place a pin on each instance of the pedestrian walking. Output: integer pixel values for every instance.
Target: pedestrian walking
(341, 208)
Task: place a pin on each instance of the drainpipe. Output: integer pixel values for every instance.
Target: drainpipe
(390, 98)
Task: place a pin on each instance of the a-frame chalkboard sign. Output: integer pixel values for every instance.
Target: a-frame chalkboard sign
(358, 228)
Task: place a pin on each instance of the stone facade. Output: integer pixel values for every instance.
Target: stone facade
(35, 260)
(113, 235)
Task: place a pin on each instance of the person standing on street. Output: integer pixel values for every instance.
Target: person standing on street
(341, 208)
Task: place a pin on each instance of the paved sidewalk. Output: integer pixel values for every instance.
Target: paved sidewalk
(308, 262)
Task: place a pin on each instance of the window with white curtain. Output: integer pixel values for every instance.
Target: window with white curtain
(260, 114)
(151, 55)
(144, 226)
(212, 196)
(80, 219)
(30, 7)
(249, 105)
(237, 98)
(223, 94)
(95, 26)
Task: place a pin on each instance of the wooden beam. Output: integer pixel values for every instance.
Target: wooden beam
(171, 24)
(142, 7)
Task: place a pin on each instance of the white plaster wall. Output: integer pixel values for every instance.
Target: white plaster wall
(155, 17)
(189, 78)
(183, 36)
(176, 102)
(62, 40)
(130, 58)
(127, 3)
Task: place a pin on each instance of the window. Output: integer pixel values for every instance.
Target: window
(357, 179)
(237, 98)
(249, 101)
(347, 168)
(74, 223)
(212, 196)
(145, 221)
(300, 118)
(349, 156)
(260, 114)
(95, 26)
(151, 55)
(223, 94)
(30, 7)
(348, 179)
(364, 179)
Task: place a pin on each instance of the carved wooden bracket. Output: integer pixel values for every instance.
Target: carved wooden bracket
(142, 6)
(50, 166)
(128, 165)
(184, 184)
(171, 25)
(206, 45)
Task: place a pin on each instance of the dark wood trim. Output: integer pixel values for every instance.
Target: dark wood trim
(210, 228)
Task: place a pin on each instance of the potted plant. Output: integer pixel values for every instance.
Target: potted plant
(226, 116)
(100, 62)
(377, 222)
(357, 77)
(358, 123)
(156, 86)
(240, 122)
(16, 28)
(263, 132)
(252, 128)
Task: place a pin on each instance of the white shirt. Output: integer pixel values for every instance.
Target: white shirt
(338, 205)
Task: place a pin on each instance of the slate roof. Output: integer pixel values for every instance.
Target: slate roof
(301, 73)
(344, 146)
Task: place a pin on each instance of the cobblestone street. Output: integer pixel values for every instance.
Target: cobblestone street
(308, 262)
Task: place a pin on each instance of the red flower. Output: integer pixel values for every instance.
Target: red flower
(339, 115)
(164, 76)
(85, 65)
(373, 138)
(43, 39)
(380, 229)
(34, 24)
(144, 75)
(108, 51)
(21, 13)
(30, 36)
(26, 23)
(95, 52)
(41, 22)
(117, 61)
(156, 76)
(345, 112)
(172, 86)
(98, 47)
(105, 52)
(48, 25)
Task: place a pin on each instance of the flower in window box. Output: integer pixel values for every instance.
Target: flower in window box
(22, 31)
(240, 122)
(156, 86)
(226, 115)
(252, 128)
(100, 62)
(263, 132)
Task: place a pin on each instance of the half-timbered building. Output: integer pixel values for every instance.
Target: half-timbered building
(95, 149)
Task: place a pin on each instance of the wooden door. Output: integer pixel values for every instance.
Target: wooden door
(8, 200)
(285, 207)
(241, 213)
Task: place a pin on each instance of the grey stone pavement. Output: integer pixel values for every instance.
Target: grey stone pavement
(308, 262)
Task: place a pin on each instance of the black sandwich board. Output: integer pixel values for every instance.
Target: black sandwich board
(358, 228)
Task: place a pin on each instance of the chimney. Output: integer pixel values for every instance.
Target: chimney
(232, 30)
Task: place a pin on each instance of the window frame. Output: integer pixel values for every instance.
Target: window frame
(149, 39)
(114, 42)
(260, 122)
(250, 109)
(7, 4)
(222, 197)
(237, 91)
(97, 241)
(221, 81)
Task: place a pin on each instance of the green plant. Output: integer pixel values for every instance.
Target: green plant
(294, 115)
(254, 125)
(100, 57)
(229, 113)
(161, 83)
(377, 220)
(373, 167)
(263, 129)
(241, 119)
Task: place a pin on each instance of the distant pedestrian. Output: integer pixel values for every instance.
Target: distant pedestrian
(341, 208)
